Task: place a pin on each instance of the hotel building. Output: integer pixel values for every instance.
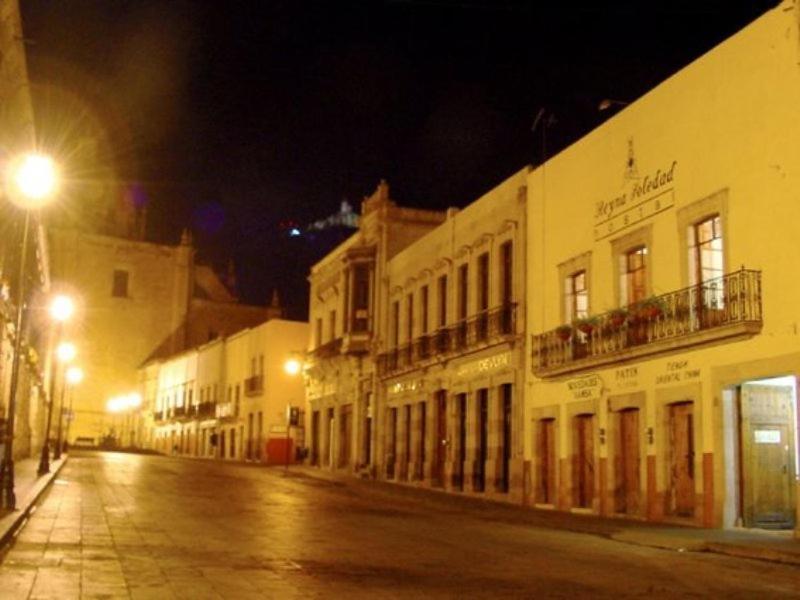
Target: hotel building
(662, 310)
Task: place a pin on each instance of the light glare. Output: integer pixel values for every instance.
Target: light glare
(74, 375)
(35, 176)
(61, 308)
(292, 366)
(66, 351)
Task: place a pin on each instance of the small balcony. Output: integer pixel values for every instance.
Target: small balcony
(486, 328)
(254, 385)
(205, 409)
(327, 350)
(727, 307)
(158, 415)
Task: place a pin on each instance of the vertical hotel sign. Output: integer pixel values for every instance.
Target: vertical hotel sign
(646, 197)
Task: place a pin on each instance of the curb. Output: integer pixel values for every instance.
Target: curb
(11, 523)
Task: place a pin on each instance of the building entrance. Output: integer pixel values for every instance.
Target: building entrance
(583, 462)
(761, 460)
(681, 491)
(627, 462)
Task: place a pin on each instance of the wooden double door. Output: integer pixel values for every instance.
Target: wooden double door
(681, 453)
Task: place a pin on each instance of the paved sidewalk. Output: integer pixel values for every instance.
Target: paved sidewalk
(774, 546)
(28, 487)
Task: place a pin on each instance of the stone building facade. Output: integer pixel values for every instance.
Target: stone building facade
(450, 363)
(17, 136)
(138, 301)
(348, 313)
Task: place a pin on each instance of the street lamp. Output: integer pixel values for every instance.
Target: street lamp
(292, 368)
(74, 376)
(66, 354)
(60, 310)
(29, 182)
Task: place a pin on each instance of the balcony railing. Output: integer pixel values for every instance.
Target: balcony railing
(724, 307)
(254, 385)
(327, 350)
(206, 409)
(487, 327)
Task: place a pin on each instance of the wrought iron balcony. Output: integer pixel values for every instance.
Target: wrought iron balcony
(254, 385)
(206, 409)
(725, 307)
(327, 350)
(487, 327)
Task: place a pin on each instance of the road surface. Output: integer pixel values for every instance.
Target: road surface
(130, 526)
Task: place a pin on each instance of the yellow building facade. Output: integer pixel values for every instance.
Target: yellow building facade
(228, 399)
(662, 310)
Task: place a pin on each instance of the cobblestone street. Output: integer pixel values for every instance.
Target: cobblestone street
(129, 526)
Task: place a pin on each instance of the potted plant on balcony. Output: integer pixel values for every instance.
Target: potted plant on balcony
(651, 308)
(587, 324)
(564, 332)
(617, 318)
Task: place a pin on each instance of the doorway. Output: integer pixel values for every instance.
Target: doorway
(583, 461)
(761, 453)
(441, 438)
(627, 462)
(681, 492)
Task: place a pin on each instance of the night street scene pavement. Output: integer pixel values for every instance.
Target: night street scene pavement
(128, 526)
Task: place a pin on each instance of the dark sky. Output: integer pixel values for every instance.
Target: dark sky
(233, 116)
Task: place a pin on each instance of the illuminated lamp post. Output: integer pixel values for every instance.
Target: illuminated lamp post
(291, 367)
(30, 183)
(74, 376)
(65, 353)
(61, 309)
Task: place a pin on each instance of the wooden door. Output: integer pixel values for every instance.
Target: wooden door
(681, 459)
(505, 437)
(768, 456)
(391, 454)
(345, 434)
(546, 488)
(441, 437)
(479, 482)
(627, 462)
(461, 455)
(315, 437)
(583, 461)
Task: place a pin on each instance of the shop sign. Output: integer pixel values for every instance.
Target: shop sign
(677, 371)
(646, 197)
(484, 365)
(588, 387)
(405, 386)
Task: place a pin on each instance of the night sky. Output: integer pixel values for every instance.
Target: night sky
(234, 116)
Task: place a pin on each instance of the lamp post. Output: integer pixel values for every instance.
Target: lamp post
(292, 368)
(65, 353)
(74, 376)
(68, 308)
(30, 183)
(61, 309)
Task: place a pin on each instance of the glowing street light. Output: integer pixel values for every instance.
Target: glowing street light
(74, 375)
(66, 352)
(292, 366)
(30, 183)
(61, 308)
(34, 177)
